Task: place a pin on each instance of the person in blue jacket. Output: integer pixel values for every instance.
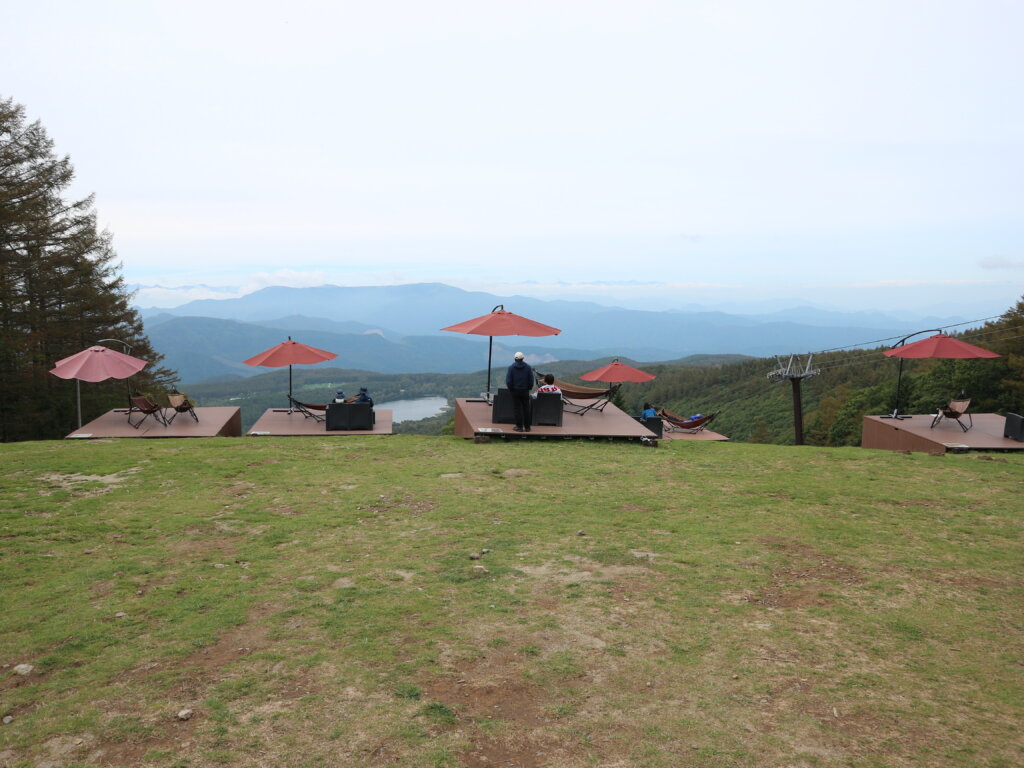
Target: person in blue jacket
(519, 381)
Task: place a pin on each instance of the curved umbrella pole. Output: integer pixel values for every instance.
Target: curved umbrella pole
(899, 377)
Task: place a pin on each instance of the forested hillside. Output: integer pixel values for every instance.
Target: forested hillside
(60, 289)
(850, 384)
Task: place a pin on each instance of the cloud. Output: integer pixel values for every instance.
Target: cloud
(914, 283)
(1000, 262)
(164, 296)
(289, 278)
(171, 292)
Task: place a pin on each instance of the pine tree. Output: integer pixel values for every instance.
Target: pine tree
(60, 290)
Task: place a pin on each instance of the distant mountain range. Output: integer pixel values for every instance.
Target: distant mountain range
(212, 349)
(396, 329)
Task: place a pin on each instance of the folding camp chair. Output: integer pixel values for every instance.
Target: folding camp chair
(956, 410)
(315, 411)
(180, 404)
(141, 404)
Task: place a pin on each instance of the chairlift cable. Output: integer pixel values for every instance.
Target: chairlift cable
(890, 338)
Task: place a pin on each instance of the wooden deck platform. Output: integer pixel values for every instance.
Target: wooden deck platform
(473, 420)
(916, 434)
(221, 421)
(704, 434)
(281, 423)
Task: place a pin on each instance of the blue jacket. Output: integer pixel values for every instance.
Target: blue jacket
(519, 376)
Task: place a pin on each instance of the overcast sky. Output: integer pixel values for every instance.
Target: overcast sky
(858, 155)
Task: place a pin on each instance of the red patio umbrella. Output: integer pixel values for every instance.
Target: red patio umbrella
(616, 371)
(498, 322)
(938, 346)
(97, 363)
(288, 353)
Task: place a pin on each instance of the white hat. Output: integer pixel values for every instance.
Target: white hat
(520, 355)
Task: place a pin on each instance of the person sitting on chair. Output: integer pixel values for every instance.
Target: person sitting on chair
(648, 412)
(548, 385)
(363, 397)
(339, 397)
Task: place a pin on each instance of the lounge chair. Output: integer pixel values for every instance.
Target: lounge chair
(315, 411)
(350, 416)
(691, 426)
(138, 403)
(180, 404)
(546, 409)
(653, 423)
(956, 410)
(1013, 428)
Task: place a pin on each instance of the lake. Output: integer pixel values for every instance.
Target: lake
(414, 410)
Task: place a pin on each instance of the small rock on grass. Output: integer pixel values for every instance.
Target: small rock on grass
(8, 720)
(479, 570)
(185, 714)
(474, 556)
(24, 669)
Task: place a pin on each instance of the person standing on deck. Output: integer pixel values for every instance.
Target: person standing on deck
(519, 381)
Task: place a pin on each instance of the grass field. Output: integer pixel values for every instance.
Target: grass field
(314, 603)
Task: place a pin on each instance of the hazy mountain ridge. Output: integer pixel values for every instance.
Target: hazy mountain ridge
(202, 348)
(394, 329)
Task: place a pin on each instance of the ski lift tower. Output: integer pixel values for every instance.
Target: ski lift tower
(795, 374)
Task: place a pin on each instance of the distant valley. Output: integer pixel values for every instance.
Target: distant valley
(396, 329)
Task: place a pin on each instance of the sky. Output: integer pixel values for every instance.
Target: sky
(727, 154)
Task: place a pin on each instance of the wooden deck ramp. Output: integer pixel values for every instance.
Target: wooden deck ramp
(220, 421)
(916, 434)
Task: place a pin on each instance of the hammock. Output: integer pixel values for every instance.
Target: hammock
(675, 423)
(595, 399)
(307, 409)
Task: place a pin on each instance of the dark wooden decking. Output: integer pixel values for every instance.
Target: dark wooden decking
(704, 434)
(916, 434)
(276, 422)
(222, 421)
(473, 420)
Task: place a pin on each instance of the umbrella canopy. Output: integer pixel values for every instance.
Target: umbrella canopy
(942, 346)
(616, 371)
(501, 323)
(938, 346)
(498, 322)
(288, 353)
(98, 364)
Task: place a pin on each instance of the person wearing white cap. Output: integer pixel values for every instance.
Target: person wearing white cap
(519, 381)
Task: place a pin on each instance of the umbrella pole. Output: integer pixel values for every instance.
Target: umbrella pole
(290, 386)
(896, 406)
(899, 377)
(490, 346)
(78, 399)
